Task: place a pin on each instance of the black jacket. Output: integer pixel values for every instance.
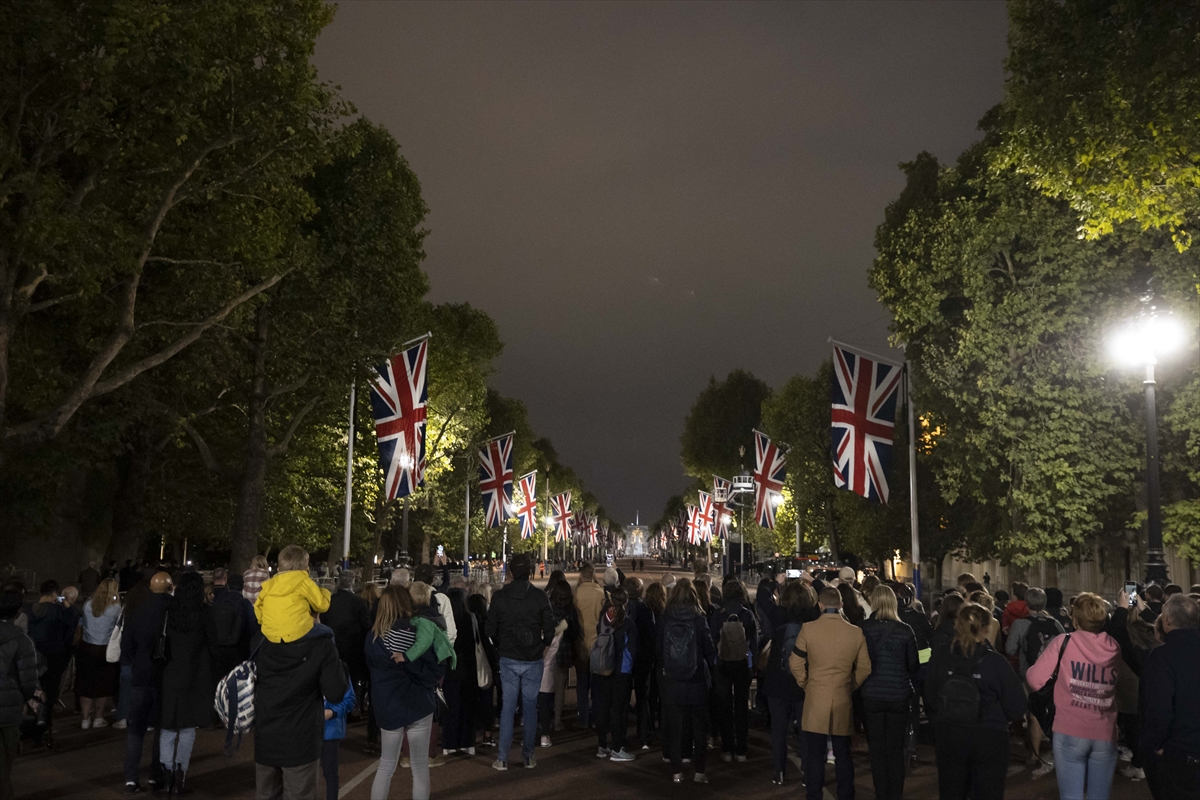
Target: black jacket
(893, 650)
(1169, 702)
(18, 673)
(137, 640)
(1002, 697)
(643, 620)
(231, 631)
(721, 615)
(921, 628)
(521, 622)
(289, 715)
(51, 627)
(464, 642)
(777, 680)
(349, 618)
(694, 691)
(188, 679)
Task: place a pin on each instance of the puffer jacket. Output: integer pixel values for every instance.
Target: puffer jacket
(18, 673)
(892, 646)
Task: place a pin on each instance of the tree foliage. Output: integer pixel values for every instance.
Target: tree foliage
(720, 422)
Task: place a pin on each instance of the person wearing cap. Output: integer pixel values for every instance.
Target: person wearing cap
(145, 610)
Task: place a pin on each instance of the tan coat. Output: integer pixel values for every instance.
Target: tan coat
(837, 663)
(589, 601)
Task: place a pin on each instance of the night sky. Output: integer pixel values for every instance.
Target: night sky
(646, 195)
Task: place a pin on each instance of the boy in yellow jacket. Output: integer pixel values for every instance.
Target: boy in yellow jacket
(287, 602)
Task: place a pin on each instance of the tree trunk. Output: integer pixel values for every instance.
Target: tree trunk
(133, 473)
(252, 488)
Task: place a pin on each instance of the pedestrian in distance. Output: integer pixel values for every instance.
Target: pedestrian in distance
(971, 694)
(829, 661)
(522, 625)
(1085, 722)
(887, 692)
(1170, 704)
(686, 656)
(612, 659)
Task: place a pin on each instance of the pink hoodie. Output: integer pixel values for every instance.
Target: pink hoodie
(1085, 694)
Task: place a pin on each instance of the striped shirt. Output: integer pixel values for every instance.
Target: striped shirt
(398, 641)
(254, 579)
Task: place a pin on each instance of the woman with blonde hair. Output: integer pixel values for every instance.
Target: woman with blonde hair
(970, 725)
(96, 679)
(987, 601)
(887, 692)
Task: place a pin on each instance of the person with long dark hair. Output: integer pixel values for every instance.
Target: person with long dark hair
(685, 655)
(556, 661)
(613, 688)
(785, 698)
(656, 604)
(485, 711)
(971, 728)
(461, 685)
(187, 679)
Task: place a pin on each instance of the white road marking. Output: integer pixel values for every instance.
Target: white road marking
(353, 783)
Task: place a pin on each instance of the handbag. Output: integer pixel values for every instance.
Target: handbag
(160, 652)
(441, 709)
(483, 669)
(1041, 702)
(112, 653)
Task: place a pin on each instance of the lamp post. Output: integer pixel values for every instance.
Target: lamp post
(1142, 342)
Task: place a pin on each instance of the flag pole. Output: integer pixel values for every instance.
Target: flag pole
(467, 529)
(349, 482)
(912, 481)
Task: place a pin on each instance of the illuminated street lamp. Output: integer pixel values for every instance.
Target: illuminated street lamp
(1142, 342)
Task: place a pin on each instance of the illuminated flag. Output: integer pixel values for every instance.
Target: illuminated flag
(695, 526)
(865, 392)
(560, 506)
(706, 516)
(770, 470)
(399, 395)
(496, 479)
(527, 504)
(721, 493)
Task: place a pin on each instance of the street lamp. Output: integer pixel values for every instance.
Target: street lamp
(1142, 342)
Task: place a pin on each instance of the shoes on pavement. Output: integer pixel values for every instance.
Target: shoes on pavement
(1133, 773)
(700, 777)
(446, 752)
(133, 787)
(677, 777)
(434, 761)
(531, 762)
(500, 766)
(1042, 771)
(603, 752)
(741, 759)
(727, 757)
(546, 741)
(1124, 754)
(621, 755)
(777, 779)
(120, 725)
(405, 763)
(645, 747)
(87, 723)
(470, 751)
(100, 722)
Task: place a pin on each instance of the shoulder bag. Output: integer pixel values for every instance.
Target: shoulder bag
(1041, 702)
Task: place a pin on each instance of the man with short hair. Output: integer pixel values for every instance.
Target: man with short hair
(589, 601)
(52, 627)
(522, 625)
(1036, 626)
(829, 661)
(220, 581)
(1169, 704)
(350, 620)
(401, 577)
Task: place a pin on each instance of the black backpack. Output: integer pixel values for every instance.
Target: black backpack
(959, 699)
(1041, 631)
(679, 648)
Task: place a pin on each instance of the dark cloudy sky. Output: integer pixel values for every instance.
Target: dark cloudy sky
(644, 195)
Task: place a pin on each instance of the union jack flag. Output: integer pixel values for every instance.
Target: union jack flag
(695, 526)
(496, 479)
(770, 470)
(527, 504)
(706, 516)
(579, 526)
(560, 506)
(865, 393)
(593, 529)
(721, 488)
(398, 398)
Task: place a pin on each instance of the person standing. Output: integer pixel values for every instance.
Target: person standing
(613, 687)
(461, 684)
(335, 731)
(887, 692)
(1028, 637)
(145, 608)
(350, 619)
(253, 578)
(589, 600)
(785, 698)
(18, 686)
(95, 678)
(1169, 705)
(1085, 722)
(685, 658)
(521, 624)
(829, 661)
(971, 693)
(188, 681)
(52, 628)
(735, 634)
(643, 664)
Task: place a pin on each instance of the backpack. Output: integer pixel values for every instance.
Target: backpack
(604, 650)
(234, 702)
(959, 699)
(732, 643)
(1041, 630)
(789, 644)
(680, 652)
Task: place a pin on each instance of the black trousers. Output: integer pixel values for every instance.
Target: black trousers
(731, 706)
(677, 719)
(641, 696)
(1173, 776)
(51, 680)
(887, 731)
(458, 729)
(970, 760)
(329, 767)
(612, 708)
(144, 711)
(783, 714)
(814, 766)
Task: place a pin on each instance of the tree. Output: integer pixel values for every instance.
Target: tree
(720, 421)
(1100, 107)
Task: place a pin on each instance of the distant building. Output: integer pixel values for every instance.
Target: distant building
(637, 541)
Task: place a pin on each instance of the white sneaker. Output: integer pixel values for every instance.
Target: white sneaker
(621, 755)
(120, 725)
(100, 722)
(1133, 773)
(740, 759)
(1124, 754)
(470, 751)
(603, 752)
(1044, 770)
(546, 741)
(727, 757)
(87, 723)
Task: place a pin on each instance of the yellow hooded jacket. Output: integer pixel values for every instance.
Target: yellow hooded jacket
(286, 604)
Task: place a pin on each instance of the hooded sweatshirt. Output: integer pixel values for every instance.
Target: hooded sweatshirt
(1085, 693)
(286, 603)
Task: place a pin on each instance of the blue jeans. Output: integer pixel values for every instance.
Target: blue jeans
(524, 678)
(175, 748)
(1084, 762)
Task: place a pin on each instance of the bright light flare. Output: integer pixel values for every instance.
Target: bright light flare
(1148, 339)
(776, 499)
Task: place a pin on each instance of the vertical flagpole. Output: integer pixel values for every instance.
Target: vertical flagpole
(912, 481)
(349, 483)
(546, 536)
(467, 529)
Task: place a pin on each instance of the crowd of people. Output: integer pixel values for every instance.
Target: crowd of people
(445, 667)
